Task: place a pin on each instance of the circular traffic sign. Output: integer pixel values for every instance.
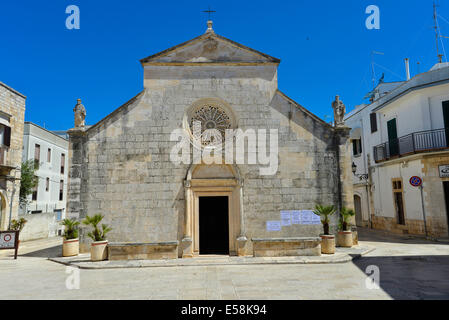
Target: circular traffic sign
(416, 181)
(7, 237)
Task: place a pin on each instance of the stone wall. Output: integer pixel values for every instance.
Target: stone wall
(40, 226)
(12, 110)
(435, 205)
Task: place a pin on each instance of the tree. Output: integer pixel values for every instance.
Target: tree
(28, 181)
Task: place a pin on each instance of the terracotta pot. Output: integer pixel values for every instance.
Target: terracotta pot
(70, 247)
(99, 250)
(344, 239)
(327, 243)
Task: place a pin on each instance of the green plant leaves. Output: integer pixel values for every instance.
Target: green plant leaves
(98, 234)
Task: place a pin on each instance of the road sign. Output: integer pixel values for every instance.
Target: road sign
(416, 181)
(9, 240)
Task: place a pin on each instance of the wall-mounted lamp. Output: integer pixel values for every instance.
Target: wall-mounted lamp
(360, 176)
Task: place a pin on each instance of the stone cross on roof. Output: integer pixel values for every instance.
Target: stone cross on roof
(209, 22)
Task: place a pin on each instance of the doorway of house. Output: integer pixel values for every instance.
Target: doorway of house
(358, 211)
(214, 225)
(446, 199)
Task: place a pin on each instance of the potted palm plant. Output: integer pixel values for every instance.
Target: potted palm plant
(327, 240)
(345, 233)
(98, 249)
(70, 244)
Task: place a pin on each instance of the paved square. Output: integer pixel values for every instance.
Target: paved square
(410, 268)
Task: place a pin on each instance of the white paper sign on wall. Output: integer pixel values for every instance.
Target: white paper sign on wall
(286, 218)
(273, 225)
(444, 171)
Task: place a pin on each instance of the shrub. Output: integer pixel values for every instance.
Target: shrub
(324, 212)
(98, 234)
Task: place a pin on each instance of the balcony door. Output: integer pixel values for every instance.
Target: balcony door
(393, 137)
(446, 120)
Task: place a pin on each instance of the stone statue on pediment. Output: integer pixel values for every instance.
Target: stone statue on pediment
(339, 112)
(80, 115)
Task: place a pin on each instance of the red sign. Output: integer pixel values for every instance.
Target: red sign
(416, 181)
(9, 240)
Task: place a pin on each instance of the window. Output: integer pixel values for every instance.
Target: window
(34, 196)
(58, 214)
(62, 163)
(37, 156)
(49, 155)
(5, 135)
(61, 190)
(47, 184)
(398, 199)
(5, 139)
(373, 121)
(357, 147)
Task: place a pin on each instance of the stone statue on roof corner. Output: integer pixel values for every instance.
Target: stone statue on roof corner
(80, 114)
(339, 112)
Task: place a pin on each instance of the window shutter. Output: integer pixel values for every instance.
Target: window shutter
(7, 137)
(37, 152)
(373, 121)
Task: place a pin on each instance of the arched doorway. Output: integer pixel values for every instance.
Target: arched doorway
(358, 210)
(212, 223)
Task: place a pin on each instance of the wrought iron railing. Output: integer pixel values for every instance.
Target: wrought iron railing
(416, 142)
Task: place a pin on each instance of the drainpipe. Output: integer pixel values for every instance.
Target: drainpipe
(368, 189)
(423, 210)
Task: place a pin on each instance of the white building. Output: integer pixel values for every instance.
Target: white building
(50, 154)
(403, 133)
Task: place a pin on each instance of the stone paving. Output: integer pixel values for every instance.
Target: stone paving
(341, 255)
(410, 268)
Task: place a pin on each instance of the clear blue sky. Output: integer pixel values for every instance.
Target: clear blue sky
(324, 47)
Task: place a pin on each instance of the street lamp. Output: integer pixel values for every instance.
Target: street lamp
(360, 176)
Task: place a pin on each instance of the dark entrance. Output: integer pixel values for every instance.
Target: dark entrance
(214, 225)
(446, 121)
(446, 199)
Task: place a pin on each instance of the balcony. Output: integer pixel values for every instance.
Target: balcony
(6, 164)
(417, 142)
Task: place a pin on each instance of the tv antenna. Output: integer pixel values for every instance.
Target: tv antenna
(372, 66)
(438, 35)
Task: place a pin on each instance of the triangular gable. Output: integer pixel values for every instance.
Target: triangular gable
(209, 48)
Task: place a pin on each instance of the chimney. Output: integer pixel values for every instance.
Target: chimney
(407, 68)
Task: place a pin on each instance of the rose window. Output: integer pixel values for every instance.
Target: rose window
(214, 122)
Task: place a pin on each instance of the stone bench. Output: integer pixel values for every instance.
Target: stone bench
(143, 251)
(279, 247)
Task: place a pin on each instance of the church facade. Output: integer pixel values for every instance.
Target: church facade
(129, 166)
